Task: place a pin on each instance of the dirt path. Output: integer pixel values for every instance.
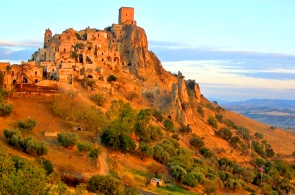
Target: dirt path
(104, 170)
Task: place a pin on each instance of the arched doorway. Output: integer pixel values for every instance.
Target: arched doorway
(25, 81)
(90, 76)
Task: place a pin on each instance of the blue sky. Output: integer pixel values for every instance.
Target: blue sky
(235, 49)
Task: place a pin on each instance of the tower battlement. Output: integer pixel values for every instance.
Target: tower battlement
(126, 15)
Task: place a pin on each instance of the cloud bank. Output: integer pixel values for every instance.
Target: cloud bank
(231, 75)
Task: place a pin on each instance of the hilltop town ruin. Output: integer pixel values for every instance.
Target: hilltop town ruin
(92, 54)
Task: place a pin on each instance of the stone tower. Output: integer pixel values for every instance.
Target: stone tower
(47, 38)
(126, 15)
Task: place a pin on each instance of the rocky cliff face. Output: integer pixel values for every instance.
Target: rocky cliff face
(166, 92)
(142, 62)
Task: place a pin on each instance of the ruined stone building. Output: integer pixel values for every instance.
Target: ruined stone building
(85, 53)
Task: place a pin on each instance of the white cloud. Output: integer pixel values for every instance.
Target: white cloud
(19, 44)
(219, 73)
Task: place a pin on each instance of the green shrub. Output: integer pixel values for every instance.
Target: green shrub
(244, 132)
(105, 185)
(193, 179)
(27, 124)
(112, 78)
(225, 133)
(205, 152)
(211, 120)
(168, 124)
(46, 163)
(5, 109)
(230, 123)
(258, 135)
(20, 176)
(85, 146)
(185, 129)
(115, 136)
(196, 142)
(219, 117)
(158, 115)
(200, 110)
(9, 133)
(67, 139)
(99, 99)
(210, 106)
(176, 137)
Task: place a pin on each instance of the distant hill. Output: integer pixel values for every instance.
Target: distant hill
(275, 112)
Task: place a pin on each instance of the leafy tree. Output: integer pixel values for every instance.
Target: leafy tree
(183, 158)
(235, 141)
(158, 115)
(269, 152)
(27, 124)
(168, 124)
(74, 55)
(144, 129)
(67, 139)
(193, 179)
(211, 120)
(178, 172)
(116, 136)
(258, 135)
(185, 129)
(85, 146)
(145, 151)
(111, 78)
(9, 133)
(156, 169)
(244, 132)
(5, 109)
(105, 185)
(175, 136)
(99, 99)
(121, 111)
(230, 123)
(161, 154)
(196, 142)
(233, 184)
(225, 133)
(94, 153)
(19, 176)
(46, 164)
(206, 152)
(219, 117)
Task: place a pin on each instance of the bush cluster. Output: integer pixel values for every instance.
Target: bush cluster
(67, 139)
(29, 145)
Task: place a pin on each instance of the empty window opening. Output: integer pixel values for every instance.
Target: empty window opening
(90, 76)
(25, 80)
(36, 80)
